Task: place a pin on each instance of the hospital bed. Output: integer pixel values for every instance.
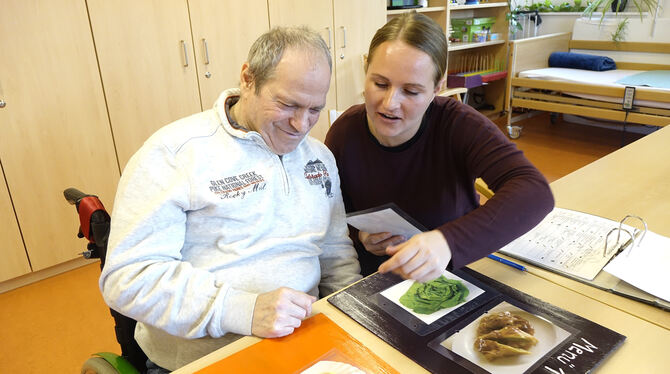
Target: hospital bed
(596, 94)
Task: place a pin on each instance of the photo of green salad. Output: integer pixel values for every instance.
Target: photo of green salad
(429, 297)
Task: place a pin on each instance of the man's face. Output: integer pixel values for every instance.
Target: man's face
(289, 103)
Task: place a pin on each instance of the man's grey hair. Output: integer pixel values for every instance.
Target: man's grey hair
(267, 50)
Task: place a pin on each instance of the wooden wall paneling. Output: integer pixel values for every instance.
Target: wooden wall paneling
(147, 64)
(54, 130)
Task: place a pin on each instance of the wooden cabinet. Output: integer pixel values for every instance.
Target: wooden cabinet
(54, 130)
(347, 26)
(355, 24)
(475, 56)
(223, 31)
(147, 65)
(14, 260)
(155, 70)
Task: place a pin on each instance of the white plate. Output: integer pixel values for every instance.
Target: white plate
(547, 334)
(332, 367)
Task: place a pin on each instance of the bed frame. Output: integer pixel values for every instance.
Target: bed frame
(545, 95)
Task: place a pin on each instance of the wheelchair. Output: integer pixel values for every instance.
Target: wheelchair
(94, 223)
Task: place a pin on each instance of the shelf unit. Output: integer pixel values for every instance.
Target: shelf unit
(442, 11)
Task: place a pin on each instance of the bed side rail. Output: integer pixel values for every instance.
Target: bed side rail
(532, 53)
(604, 45)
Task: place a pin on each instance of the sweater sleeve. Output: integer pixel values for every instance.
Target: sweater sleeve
(144, 276)
(522, 195)
(339, 262)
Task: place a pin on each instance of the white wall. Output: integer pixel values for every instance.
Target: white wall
(563, 22)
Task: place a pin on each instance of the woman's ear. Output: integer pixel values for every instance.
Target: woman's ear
(440, 84)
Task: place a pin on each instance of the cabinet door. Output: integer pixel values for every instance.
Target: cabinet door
(147, 66)
(355, 24)
(223, 31)
(317, 14)
(14, 258)
(54, 130)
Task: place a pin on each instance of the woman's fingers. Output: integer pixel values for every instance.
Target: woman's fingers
(421, 258)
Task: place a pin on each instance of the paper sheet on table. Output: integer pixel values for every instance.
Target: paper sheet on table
(567, 241)
(389, 219)
(645, 266)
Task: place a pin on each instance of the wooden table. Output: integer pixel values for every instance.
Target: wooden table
(632, 180)
(642, 352)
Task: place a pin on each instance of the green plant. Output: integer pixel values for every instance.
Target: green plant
(642, 6)
(598, 6)
(620, 33)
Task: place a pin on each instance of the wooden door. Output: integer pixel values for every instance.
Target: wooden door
(147, 65)
(355, 24)
(223, 31)
(54, 130)
(14, 257)
(317, 14)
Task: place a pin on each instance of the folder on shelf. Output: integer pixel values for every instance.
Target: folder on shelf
(580, 245)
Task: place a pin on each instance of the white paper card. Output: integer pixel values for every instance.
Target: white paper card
(645, 266)
(385, 220)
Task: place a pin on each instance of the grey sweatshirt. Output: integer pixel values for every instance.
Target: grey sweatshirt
(206, 217)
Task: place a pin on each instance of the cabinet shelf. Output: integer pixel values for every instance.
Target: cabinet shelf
(458, 46)
(477, 6)
(429, 9)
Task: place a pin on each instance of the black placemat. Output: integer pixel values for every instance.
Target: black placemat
(581, 347)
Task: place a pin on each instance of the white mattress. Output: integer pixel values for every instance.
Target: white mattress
(602, 78)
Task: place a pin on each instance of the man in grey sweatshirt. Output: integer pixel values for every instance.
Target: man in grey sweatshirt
(230, 222)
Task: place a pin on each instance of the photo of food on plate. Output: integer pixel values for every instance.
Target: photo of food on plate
(506, 339)
(431, 300)
(504, 334)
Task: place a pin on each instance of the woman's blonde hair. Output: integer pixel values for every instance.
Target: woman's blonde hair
(418, 31)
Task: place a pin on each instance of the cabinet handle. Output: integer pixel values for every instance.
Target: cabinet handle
(183, 45)
(344, 41)
(3, 104)
(204, 46)
(330, 38)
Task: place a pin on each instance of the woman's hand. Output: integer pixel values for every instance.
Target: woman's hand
(377, 243)
(422, 258)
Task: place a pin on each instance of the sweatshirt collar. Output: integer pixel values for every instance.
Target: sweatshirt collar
(222, 106)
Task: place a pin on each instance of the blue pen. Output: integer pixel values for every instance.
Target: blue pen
(507, 262)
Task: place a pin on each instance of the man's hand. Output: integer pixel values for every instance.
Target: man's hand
(377, 243)
(279, 312)
(421, 258)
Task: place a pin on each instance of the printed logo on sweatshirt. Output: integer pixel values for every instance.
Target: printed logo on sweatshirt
(237, 186)
(317, 175)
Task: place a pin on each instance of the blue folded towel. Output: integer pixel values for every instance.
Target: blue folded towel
(581, 61)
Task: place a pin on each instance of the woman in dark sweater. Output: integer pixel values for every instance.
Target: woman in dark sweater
(423, 152)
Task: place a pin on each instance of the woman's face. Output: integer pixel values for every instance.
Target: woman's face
(399, 86)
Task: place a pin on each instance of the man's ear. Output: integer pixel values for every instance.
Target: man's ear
(246, 79)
